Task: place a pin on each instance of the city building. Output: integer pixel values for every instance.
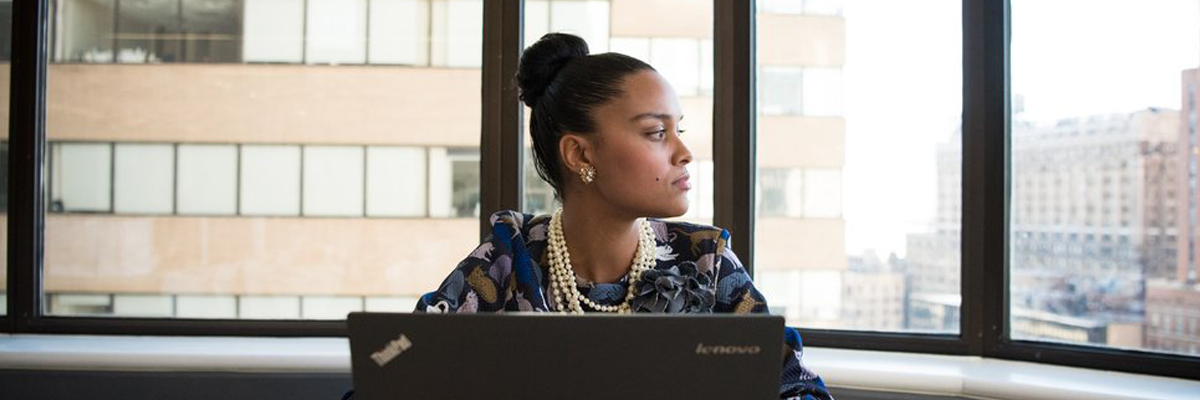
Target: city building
(1173, 298)
(873, 293)
(1093, 210)
(273, 158)
(1093, 215)
(799, 249)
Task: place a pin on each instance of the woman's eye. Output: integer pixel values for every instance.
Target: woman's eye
(659, 134)
(680, 132)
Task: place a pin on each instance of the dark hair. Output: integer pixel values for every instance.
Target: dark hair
(563, 84)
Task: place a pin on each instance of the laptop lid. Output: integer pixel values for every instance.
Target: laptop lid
(548, 356)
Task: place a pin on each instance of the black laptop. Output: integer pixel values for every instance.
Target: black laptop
(547, 356)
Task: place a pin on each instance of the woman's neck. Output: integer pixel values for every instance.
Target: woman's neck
(601, 243)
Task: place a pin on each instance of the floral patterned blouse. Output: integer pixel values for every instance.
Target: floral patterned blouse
(510, 272)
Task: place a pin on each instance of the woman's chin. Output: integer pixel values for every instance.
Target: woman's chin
(673, 211)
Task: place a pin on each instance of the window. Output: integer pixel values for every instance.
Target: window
(143, 178)
(270, 180)
(454, 182)
(396, 181)
(333, 181)
(1112, 152)
(208, 176)
(236, 191)
(336, 32)
(837, 127)
(81, 178)
(398, 43)
(141, 31)
(274, 31)
(456, 31)
(858, 180)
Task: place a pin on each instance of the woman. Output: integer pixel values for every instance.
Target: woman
(606, 136)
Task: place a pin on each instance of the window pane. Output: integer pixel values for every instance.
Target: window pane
(86, 32)
(464, 167)
(81, 177)
(336, 32)
(587, 19)
(148, 31)
(333, 180)
(274, 31)
(396, 181)
(227, 175)
(210, 33)
(207, 179)
(679, 48)
(782, 91)
(858, 179)
(144, 175)
(270, 180)
(1103, 211)
(399, 32)
(457, 27)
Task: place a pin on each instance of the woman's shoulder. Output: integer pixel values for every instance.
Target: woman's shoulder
(518, 221)
(690, 238)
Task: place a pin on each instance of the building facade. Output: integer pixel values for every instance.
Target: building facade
(1173, 298)
(306, 158)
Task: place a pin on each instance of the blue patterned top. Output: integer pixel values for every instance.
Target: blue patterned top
(510, 272)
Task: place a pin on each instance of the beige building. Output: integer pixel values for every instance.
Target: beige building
(800, 255)
(305, 158)
(1173, 299)
(1093, 207)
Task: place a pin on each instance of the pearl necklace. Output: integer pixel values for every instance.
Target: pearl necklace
(562, 276)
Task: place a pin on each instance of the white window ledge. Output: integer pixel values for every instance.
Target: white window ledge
(868, 370)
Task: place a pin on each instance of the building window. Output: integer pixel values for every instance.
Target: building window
(144, 178)
(274, 31)
(333, 181)
(192, 31)
(399, 32)
(336, 32)
(396, 181)
(81, 177)
(207, 176)
(270, 180)
(780, 192)
(782, 91)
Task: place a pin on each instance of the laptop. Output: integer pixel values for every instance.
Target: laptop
(549, 356)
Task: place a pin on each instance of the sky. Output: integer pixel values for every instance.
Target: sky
(903, 89)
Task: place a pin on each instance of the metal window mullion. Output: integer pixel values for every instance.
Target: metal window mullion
(985, 140)
(734, 135)
(27, 116)
(501, 142)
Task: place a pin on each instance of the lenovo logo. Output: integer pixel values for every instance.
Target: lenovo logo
(391, 350)
(703, 350)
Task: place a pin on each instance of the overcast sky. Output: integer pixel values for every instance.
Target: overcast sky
(903, 88)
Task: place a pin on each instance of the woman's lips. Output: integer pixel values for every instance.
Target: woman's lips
(682, 183)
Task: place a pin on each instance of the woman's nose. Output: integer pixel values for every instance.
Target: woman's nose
(683, 155)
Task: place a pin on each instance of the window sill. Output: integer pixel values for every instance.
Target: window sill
(856, 369)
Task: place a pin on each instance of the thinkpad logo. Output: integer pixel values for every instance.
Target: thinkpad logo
(391, 350)
(718, 350)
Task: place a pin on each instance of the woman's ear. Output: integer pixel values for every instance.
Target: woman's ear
(576, 151)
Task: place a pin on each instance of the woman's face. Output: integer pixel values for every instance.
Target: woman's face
(638, 154)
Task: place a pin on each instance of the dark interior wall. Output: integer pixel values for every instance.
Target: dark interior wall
(102, 385)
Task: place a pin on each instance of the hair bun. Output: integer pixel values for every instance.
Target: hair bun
(542, 61)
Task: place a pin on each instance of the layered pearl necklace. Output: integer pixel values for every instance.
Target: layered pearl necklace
(562, 276)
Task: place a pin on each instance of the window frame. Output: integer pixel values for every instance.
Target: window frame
(985, 190)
